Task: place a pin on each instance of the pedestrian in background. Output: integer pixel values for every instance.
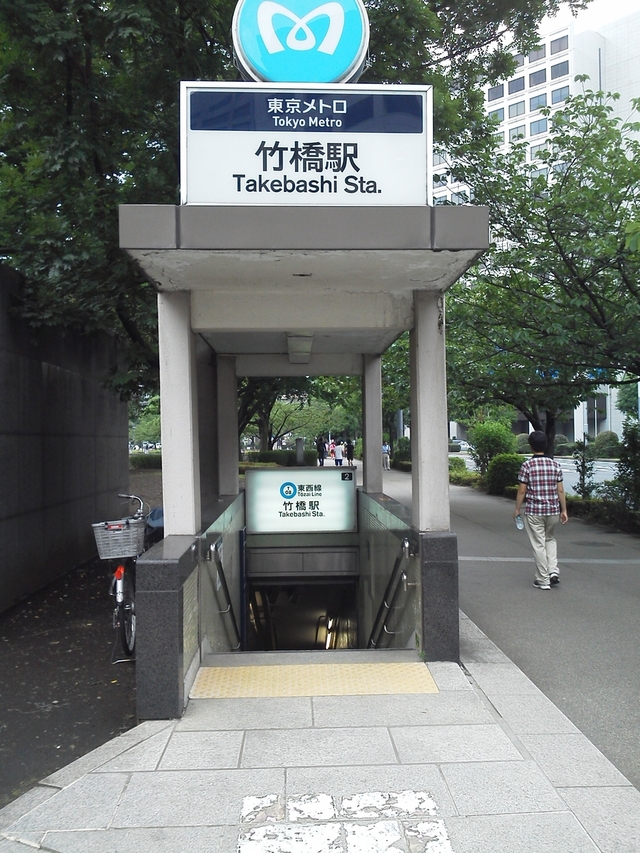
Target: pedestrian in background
(386, 455)
(321, 447)
(542, 492)
(337, 454)
(348, 451)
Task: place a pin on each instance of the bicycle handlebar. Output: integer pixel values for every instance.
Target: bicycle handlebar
(131, 499)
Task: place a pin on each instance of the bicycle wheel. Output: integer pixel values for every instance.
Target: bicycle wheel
(127, 614)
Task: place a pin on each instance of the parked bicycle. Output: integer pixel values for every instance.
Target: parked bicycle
(121, 542)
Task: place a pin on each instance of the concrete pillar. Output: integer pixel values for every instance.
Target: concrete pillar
(228, 473)
(179, 416)
(372, 424)
(429, 440)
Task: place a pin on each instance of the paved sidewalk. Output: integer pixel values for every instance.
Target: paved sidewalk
(486, 765)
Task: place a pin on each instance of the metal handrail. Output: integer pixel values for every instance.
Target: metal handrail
(213, 550)
(398, 577)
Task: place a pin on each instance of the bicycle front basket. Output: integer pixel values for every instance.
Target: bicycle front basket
(122, 538)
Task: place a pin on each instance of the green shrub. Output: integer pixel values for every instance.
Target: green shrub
(560, 439)
(456, 463)
(488, 440)
(464, 478)
(502, 472)
(402, 465)
(522, 442)
(454, 447)
(564, 449)
(402, 450)
(150, 460)
(357, 451)
(628, 473)
(282, 458)
(606, 445)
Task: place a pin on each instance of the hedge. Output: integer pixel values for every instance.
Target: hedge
(150, 460)
(282, 458)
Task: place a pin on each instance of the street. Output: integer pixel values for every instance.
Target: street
(603, 470)
(578, 641)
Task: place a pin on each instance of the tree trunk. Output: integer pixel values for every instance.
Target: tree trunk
(550, 430)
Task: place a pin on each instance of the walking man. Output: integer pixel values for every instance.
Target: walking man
(545, 504)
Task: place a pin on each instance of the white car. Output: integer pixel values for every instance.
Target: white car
(464, 445)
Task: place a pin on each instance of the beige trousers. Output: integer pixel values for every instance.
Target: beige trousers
(540, 529)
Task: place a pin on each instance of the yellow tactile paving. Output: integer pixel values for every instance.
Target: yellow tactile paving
(345, 679)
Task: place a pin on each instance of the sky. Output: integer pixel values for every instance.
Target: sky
(599, 12)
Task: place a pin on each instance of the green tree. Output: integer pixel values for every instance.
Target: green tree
(257, 397)
(145, 424)
(627, 399)
(559, 272)
(89, 119)
(488, 440)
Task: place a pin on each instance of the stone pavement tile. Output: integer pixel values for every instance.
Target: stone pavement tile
(106, 752)
(267, 713)
(572, 761)
(499, 678)
(469, 630)
(532, 715)
(347, 781)
(317, 747)
(500, 787)
(449, 676)
(525, 833)
(435, 744)
(611, 816)
(193, 797)
(143, 756)
(88, 803)
(202, 750)
(451, 708)
(480, 651)
(15, 810)
(194, 839)
(7, 846)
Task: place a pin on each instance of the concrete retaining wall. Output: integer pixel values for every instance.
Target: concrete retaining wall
(63, 448)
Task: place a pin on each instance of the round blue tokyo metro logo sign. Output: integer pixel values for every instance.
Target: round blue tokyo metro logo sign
(301, 41)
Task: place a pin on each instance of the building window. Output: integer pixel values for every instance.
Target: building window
(559, 95)
(499, 137)
(439, 199)
(495, 92)
(516, 85)
(498, 115)
(459, 198)
(539, 126)
(438, 159)
(538, 53)
(536, 173)
(538, 102)
(558, 45)
(536, 150)
(559, 70)
(516, 110)
(538, 77)
(519, 60)
(517, 132)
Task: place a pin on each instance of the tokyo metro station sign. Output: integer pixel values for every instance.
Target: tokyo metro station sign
(279, 144)
(303, 133)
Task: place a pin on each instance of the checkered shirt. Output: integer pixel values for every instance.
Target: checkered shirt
(542, 476)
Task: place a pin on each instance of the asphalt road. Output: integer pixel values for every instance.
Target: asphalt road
(579, 642)
(603, 470)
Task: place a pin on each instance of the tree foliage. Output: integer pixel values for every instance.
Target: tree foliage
(553, 309)
(89, 120)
